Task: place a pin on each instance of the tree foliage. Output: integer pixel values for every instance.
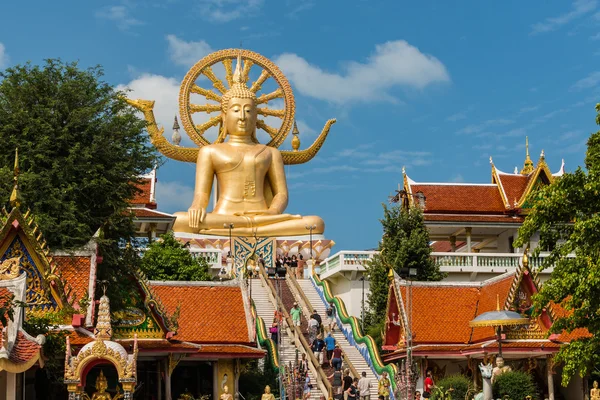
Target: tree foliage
(167, 259)
(457, 387)
(515, 385)
(567, 216)
(80, 147)
(404, 245)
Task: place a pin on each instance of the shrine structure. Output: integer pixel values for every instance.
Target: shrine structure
(428, 322)
(176, 337)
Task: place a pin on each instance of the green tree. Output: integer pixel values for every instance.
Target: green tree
(404, 245)
(567, 216)
(515, 385)
(457, 386)
(168, 260)
(80, 146)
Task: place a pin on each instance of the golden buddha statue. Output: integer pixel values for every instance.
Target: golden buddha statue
(226, 395)
(101, 386)
(595, 392)
(267, 395)
(251, 190)
(500, 368)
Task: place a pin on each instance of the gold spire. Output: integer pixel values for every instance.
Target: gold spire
(15, 196)
(528, 164)
(295, 139)
(103, 329)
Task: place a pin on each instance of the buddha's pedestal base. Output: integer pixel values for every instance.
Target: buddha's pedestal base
(266, 247)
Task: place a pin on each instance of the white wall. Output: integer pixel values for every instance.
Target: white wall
(350, 291)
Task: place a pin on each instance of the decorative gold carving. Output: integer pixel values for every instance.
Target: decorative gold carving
(103, 326)
(173, 361)
(9, 268)
(102, 349)
(196, 132)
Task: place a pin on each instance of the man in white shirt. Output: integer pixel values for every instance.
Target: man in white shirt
(364, 387)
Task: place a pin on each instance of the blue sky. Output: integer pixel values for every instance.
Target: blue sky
(436, 87)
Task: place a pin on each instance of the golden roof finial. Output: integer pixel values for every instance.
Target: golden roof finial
(103, 329)
(238, 77)
(295, 139)
(528, 164)
(525, 258)
(15, 196)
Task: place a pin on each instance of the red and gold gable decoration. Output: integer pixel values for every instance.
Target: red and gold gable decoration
(18, 241)
(519, 299)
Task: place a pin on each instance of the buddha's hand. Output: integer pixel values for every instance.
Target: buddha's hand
(196, 216)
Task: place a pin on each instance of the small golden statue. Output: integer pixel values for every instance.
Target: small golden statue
(500, 368)
(186, 395)
(267, 395)
(248, 177)
(226, 395)
(595, 392)
(101, 386)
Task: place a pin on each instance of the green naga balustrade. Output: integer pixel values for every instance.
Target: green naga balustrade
(264, 340)
(357, 333)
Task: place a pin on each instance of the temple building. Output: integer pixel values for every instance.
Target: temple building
(429, 322)
(188, 337)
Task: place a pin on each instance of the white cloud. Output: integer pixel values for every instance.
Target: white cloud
(160, 88)
(3, 56)
(228, 10)
(579, 8)
(393, 64)
(165, 91)
(457, 117)
(458, 178)
(120, 16)
(490, 123)
(173, 196)
(187, 53)
(588, 82)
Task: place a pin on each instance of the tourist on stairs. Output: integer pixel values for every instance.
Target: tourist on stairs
(330, 346)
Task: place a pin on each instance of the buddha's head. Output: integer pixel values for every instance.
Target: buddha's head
(238, 106)
(499, 362)
(595, 384)
(225, 389)
(267, 389)
(101, 384)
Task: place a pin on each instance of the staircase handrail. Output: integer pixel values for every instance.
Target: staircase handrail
(264, 340)
(305, 302)
(358, 335)
(322, 380)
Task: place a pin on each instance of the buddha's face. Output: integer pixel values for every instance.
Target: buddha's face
(240, 118)
(225, 389)
(101, 386)
(500, 362)
(267, 389)
(595, 384)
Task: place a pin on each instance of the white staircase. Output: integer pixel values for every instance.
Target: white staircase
(357, 360)
(287, 351)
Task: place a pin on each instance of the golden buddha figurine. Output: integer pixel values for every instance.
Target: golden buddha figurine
(252, 188)
(226, 395)
(595, 392)
(267, 395)
(101, 386)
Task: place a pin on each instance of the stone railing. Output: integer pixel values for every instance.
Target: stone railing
(484, 260)
(214, 257)
(345, 261)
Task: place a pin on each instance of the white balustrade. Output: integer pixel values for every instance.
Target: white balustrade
(214, 257)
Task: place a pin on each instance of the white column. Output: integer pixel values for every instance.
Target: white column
(11, 386)
(549, 362)
(468, 230)
(310, 263)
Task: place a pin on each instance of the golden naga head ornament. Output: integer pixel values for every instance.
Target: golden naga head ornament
(194, 100)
